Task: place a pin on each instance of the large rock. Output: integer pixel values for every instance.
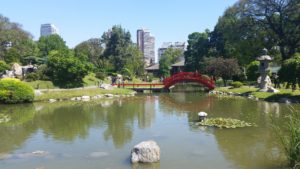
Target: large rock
(17, 69)
(145, 152)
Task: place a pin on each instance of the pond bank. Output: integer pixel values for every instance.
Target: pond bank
(84, 94)
(284, 96)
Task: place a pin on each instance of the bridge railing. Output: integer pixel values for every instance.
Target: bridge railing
(189, 76)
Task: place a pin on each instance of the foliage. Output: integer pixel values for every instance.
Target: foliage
(236, 84)
(290, 138)
(41, 84)
(91, 51)
(46, 44)
(224, 68)
(15, 43)
(290, 70)
(197, 49)
(3, 66)
(169, 57)
(15, 91)
(252, 71)
(238, 36)
(66, 70)
(100, 75)
(278, 17)
(225, 123)
(91, 80)
(42, 72)
(29, 77)
(116, 40)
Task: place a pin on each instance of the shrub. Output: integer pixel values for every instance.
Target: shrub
(236, 84)
(14, 91)
(31, 77)
(100, 75)
(252, 71)
(3, 66)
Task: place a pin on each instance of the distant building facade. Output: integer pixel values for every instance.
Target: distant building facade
(48, 29)
(146, 43)
(177, 45)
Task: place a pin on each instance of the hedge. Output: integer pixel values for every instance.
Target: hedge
(15, 91)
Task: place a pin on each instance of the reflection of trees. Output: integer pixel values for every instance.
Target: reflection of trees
(251, 147)
(15, 132)
(70, 120)
(65, 122)
(120, 120)
(185, 102)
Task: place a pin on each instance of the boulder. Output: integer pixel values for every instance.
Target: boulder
(145, 152)
(85, 98)
(37, 93)
(17, 69)
(52, 100)
(109, 95)
(106, 86)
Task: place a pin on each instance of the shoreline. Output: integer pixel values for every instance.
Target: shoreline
(284, 96)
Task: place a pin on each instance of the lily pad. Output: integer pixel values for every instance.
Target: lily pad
(225, 123)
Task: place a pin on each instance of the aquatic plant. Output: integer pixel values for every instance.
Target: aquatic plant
(289, 137)
(4, 118)
(225, 123)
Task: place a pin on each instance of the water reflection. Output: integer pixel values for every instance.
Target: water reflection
(122, 122)
(17, 130)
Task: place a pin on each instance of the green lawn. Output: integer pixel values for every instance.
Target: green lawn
(284, 93)
(67, 94)
(40, 84)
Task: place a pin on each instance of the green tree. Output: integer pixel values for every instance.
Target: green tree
(50, 43)
(169, 57)
(290, 70)
(224, 68)
(252, 71)
(65, 70)
(3, 66)
(91, 51)
(239, 36)
(197, 49)
(280, 17)
(133, 60)
(15, 43)
(116, 41)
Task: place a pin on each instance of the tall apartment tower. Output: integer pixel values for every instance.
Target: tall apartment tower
(146, 43)
(48, 29)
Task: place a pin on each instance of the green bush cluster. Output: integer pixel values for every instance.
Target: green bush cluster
(14, 91)
(236, 84)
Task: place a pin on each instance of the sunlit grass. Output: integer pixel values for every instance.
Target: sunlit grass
(67, 94)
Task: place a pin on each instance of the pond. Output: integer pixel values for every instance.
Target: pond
(90, 135)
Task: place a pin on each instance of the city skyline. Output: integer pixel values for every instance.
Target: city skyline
(146, 44)
(169, 21)
(48, 29)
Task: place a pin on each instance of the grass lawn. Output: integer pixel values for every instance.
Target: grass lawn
(67, 94)
(284, 93)
(40, 84)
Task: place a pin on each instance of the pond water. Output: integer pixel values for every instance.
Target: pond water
(90, 135)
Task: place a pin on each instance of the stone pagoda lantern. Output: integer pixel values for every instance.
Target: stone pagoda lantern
(264, 81)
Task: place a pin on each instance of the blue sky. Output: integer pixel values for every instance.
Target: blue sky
(79, 20)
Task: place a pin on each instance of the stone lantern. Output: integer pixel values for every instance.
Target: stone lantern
(264, 81)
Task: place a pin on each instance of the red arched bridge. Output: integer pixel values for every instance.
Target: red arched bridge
(170, 81)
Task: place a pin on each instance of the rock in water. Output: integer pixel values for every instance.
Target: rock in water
(145, 152)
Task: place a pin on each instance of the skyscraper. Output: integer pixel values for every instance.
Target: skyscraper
(146, 43)
(48, 29)
(177, 45)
